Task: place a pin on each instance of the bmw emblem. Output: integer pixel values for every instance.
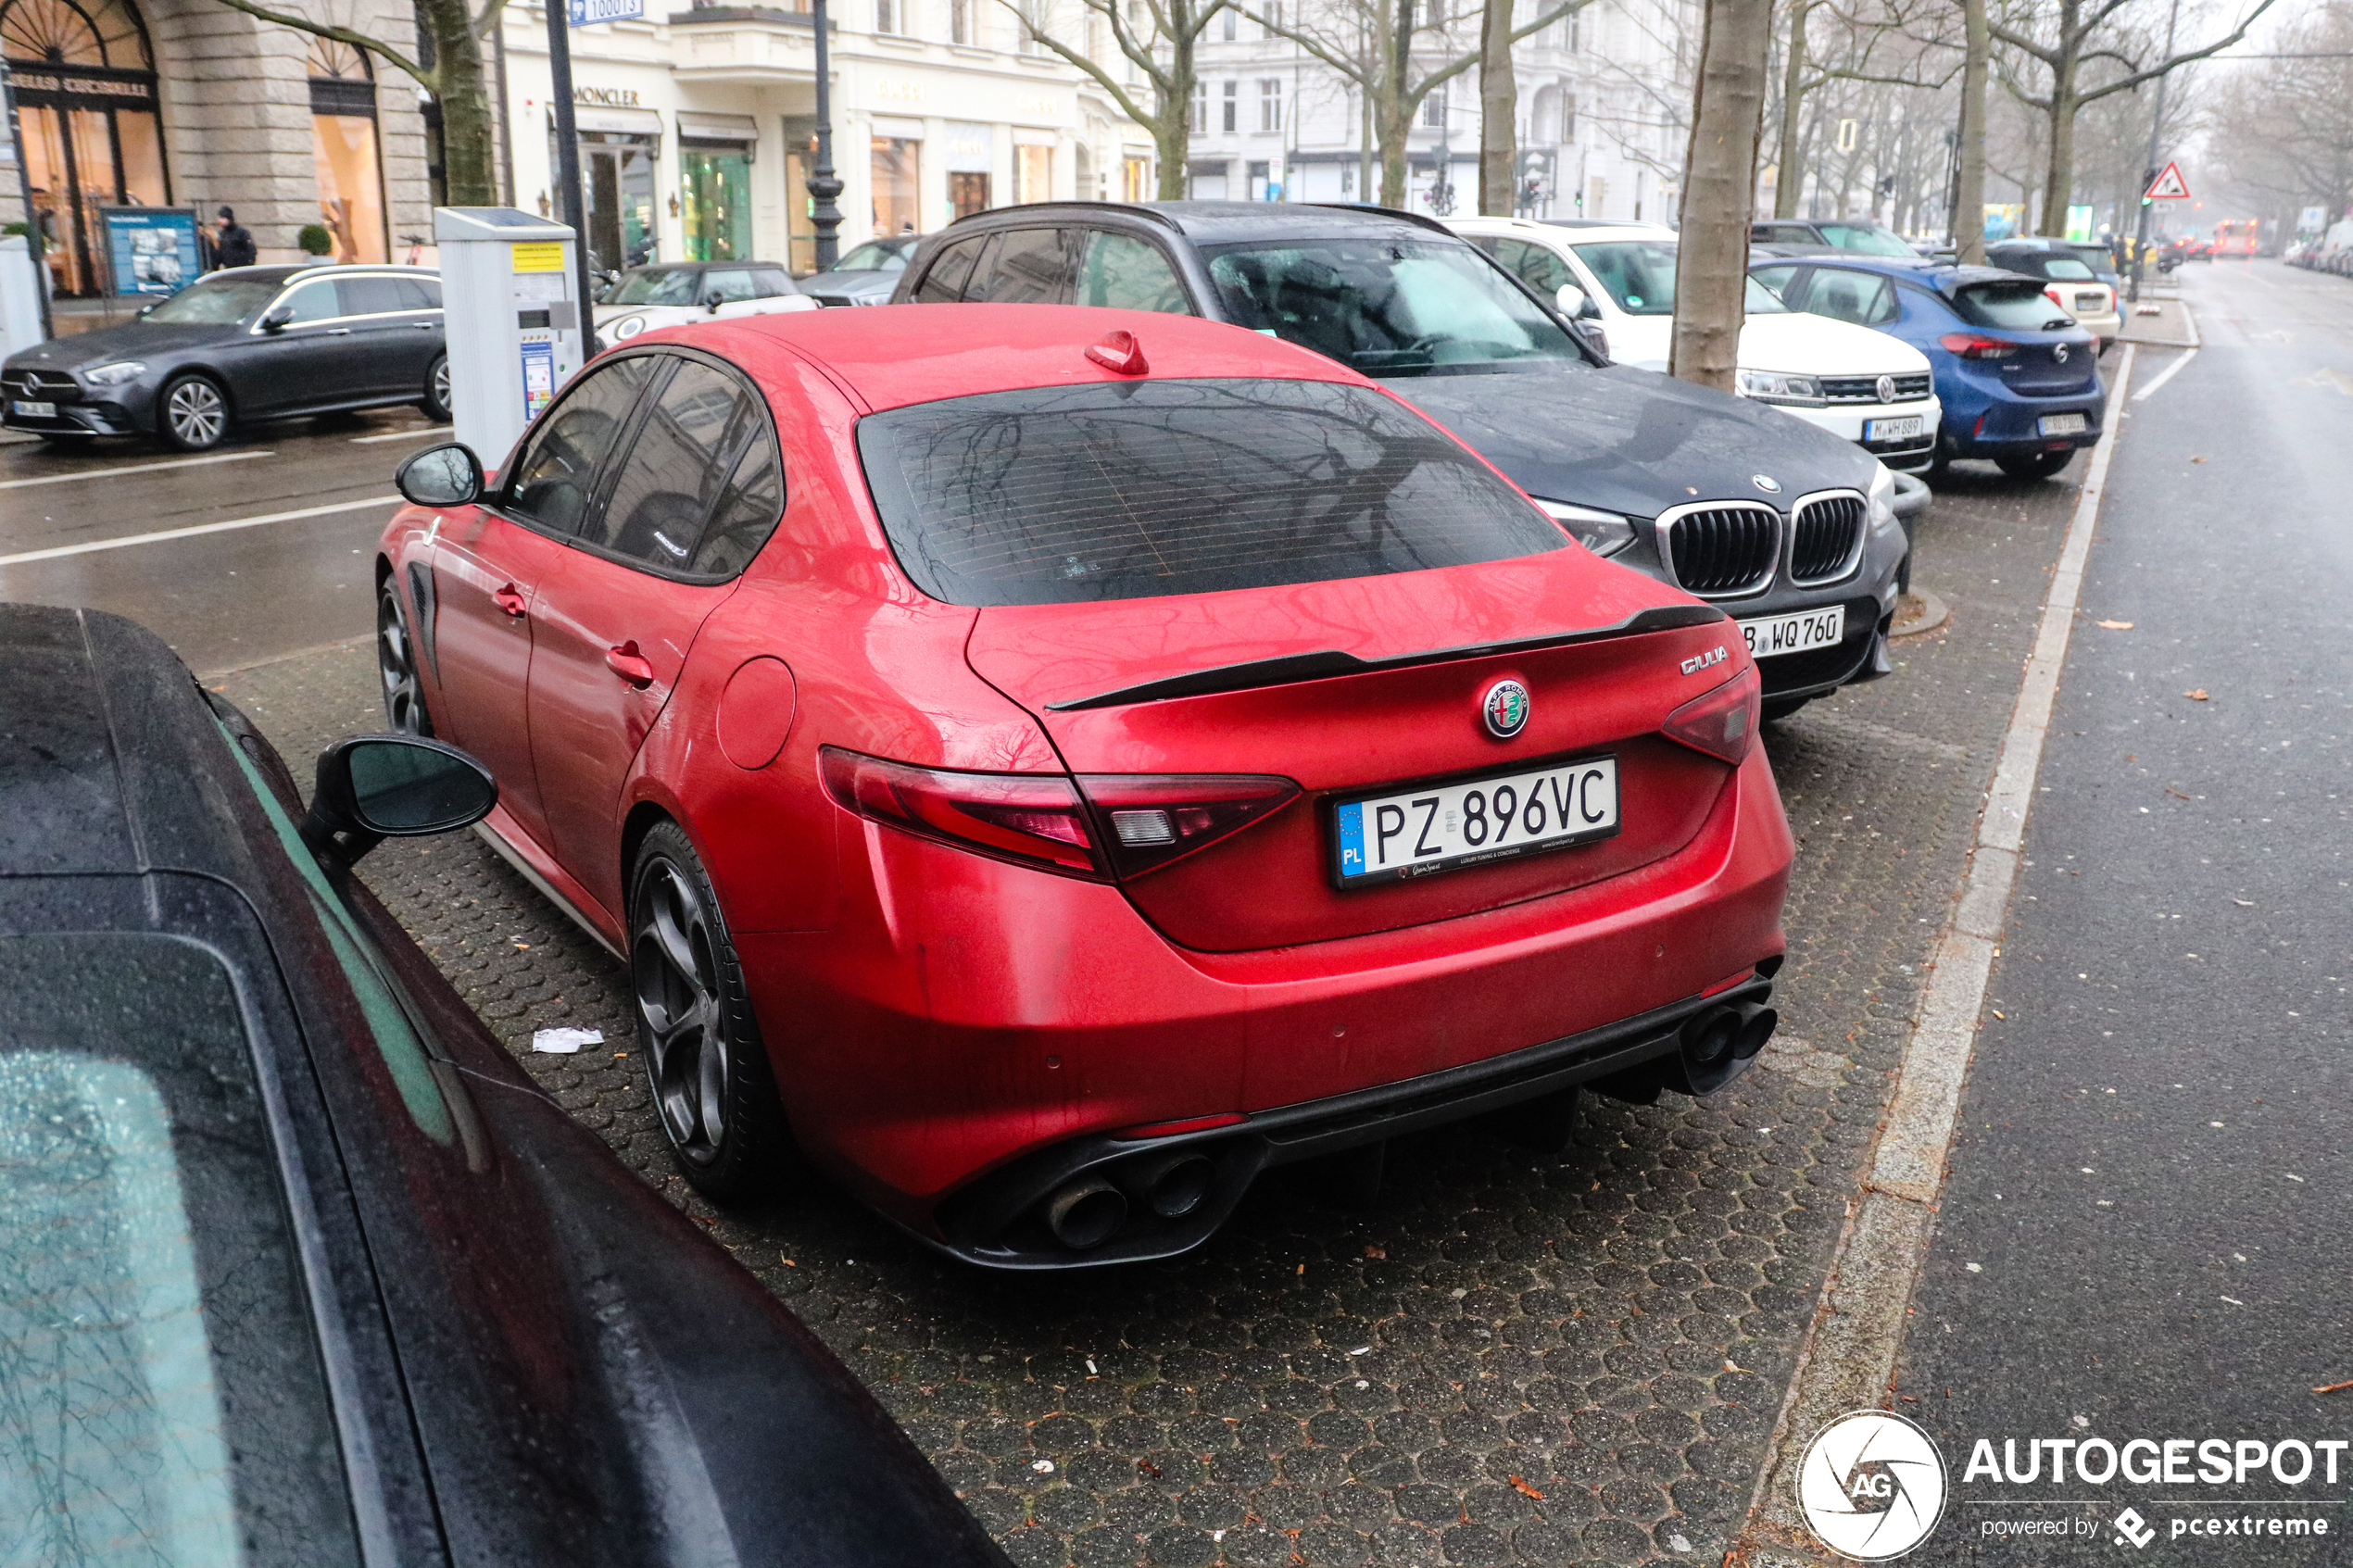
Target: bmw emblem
(1505, 709)
(2059, 353)
(1886, 389)
(1765, 482)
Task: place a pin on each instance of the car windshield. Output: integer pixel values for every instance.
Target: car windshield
(655, 285)
(215, 302)
(161, 1398)
(1077, 493)
(1868, 238)
(1640, 278)
(1401, 306)
(2019, 306)
(872, 258)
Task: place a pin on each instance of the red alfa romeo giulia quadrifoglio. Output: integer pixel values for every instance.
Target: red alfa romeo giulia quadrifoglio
(1055, 764)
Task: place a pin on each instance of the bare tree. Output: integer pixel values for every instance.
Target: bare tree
(1727, 124)
(2062, 37)
(1498, 111)
(1969, 183)
(1371, 45)
(1862, 35)
(448, 66)
(1160, 38)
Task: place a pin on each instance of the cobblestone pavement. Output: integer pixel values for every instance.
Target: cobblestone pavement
(1503, 1358)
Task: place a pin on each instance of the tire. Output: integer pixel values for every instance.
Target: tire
(1774, 709)
(404, 694)
(713, 1091)
(2037, 465)
(191, 413)
(434, 404)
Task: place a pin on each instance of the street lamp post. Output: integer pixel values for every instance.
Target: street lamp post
(823, 216)
(568, 162)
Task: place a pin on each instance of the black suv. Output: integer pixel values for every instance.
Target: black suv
(1788, 528)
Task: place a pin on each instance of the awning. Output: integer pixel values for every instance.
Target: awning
(718, 127)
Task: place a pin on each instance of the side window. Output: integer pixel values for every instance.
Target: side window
(314, 301)
(371, 296)
(1851, 297)
(1027, 267)
(1129, 275)
(421, 293)
(550, 485)
(1782, 280)
(944, 283)
(770, 283)
(702, 464)
(729, 283)
(1541, 270)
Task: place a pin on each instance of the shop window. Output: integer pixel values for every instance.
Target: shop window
(714, 199)
(1134, 179)
(85, 91)
(343, 150)
(967, 193)
(800, 208)
(1034, 174)
(893, 184)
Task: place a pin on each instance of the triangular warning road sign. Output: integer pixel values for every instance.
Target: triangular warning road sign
(2169, 184)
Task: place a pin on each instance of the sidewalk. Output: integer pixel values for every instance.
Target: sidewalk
(2169, 328)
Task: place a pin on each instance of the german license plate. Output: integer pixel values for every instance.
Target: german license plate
(1795, 633)
(2091, 302)
(2064, 425)
(1895, 430)
(1444, 827)
(26, 410)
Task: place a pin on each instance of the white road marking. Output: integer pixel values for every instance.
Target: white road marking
(402, 435)
(56, 552)
(135, 468)
(2165, 375)
(2342, 383)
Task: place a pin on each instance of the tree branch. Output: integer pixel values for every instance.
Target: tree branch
(425, 77)
(2129, 83)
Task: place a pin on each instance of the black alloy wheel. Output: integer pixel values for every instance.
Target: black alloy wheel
(704, 1060)
(191, 413)
(2037, 465)
(434, 404)
(397, 664)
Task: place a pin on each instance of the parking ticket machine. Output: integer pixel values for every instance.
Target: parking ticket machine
(509, 288)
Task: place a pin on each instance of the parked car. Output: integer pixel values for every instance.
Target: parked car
(300, 1267)
(1788, 527)
(2069, 281)
(1860, 385)
(2019, 379)
(1809, 237)
(1139, 754)
(678, 292)
(865, 276)
(236, 346)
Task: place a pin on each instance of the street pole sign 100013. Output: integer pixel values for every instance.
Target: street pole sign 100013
(587, 13)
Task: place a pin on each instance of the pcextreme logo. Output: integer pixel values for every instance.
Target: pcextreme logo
(1871, 1486)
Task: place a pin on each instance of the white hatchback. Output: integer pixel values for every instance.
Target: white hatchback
(1862, 385)
(672, 293)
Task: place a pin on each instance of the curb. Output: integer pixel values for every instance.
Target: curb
(1934, 612)
(1847, 1359)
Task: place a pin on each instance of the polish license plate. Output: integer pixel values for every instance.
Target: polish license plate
(1895, 430)
(27, 411)
(1444, 827)
(1795, 633)
(2064, 425)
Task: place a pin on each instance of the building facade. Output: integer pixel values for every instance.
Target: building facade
(187, 102)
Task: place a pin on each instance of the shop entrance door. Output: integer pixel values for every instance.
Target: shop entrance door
(619, 173)
(714, 199)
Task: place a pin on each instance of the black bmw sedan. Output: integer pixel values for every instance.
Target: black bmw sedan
(1788, 528)
(252, 343)
(296, 1265)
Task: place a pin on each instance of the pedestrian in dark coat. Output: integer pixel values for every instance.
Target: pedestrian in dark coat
(232, 241)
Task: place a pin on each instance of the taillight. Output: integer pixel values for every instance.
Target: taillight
(1722, 723)
(1152, 819)
(1969, 345)
(1032, 819)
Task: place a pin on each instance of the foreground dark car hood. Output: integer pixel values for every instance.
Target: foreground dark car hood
(1634, 441)
(131, 340)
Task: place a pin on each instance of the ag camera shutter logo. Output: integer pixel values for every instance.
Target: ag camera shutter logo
(1871, 1486)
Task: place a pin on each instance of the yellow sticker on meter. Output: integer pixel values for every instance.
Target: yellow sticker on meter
(545, 256)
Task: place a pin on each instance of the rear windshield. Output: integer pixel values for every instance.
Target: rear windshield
(2019, 306)
(1080, 494)
(2067, 269)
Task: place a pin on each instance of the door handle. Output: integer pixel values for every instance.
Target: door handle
(338, 331)
(509, 598)
(424, 326)
(630, 665)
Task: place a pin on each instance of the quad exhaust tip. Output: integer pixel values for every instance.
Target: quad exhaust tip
(1087, 1213)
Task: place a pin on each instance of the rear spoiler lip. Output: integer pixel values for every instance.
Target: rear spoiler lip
(1326, 663)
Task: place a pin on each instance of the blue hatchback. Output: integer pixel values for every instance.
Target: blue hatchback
(2019, 381)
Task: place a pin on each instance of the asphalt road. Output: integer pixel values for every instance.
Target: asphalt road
(2142, 1233)
(223, 599)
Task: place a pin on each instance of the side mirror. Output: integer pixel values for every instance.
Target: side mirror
(447, 475)
(375, 787)
(276, 320)
(711, 302)
(1573, 303)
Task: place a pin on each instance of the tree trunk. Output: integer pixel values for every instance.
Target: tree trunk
(1790, 181)
(1719, 184)
(1172, 131)
(469, 140)
(1390, 130)
(2058, 186)
(1498, 112)
(1969, 199)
